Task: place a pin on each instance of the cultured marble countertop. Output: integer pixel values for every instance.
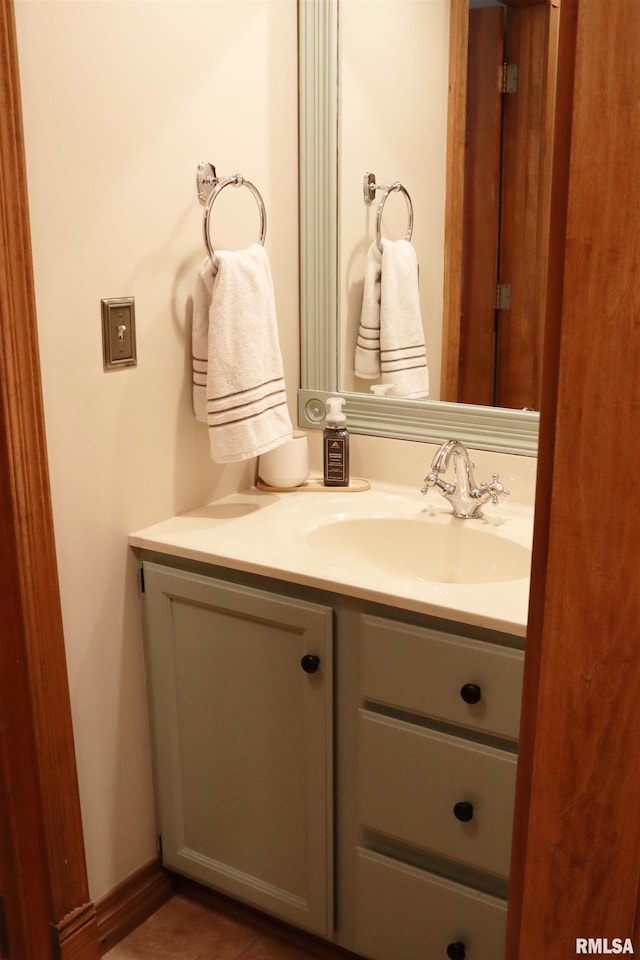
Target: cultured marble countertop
(265, 533)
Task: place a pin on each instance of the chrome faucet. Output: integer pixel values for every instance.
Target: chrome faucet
(465, 497)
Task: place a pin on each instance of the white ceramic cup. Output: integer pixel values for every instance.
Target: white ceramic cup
(286, 465)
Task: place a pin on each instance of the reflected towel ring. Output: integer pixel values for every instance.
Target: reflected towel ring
(237, 181)
(394, 188)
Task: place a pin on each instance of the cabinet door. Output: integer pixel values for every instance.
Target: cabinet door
(243, 741)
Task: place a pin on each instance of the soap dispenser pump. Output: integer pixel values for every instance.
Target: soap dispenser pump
(336, 445)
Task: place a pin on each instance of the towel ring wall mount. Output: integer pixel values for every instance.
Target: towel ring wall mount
(209, 186)
(369, 188)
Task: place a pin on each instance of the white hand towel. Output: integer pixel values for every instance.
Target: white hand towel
(367, 353)
(238, 384)
(403, 356)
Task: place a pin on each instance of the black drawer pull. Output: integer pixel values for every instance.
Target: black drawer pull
(471, 693)
(310, 663)
(456, 951)
(463, 811)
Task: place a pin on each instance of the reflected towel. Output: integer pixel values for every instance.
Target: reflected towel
(403, 355)
(390, 339)
(367, 353)
(238, 384)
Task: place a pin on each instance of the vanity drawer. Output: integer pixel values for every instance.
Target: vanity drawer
(409, 914)
(412, 778)
(425, 671)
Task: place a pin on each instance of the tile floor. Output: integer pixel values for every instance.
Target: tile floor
(185, 930)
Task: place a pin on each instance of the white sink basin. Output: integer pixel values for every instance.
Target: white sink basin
(387, 545)
(435, 548)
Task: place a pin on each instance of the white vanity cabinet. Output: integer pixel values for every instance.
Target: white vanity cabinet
(240, 686)
(407, 728)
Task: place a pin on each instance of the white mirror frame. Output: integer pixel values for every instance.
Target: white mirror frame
(485, 428)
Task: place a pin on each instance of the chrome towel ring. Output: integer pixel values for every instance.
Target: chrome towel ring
(369, 189)
(209, 185)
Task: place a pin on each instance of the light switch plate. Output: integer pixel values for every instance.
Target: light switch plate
(119, 332)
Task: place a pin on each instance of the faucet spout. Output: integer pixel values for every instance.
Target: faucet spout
(451, 448)
(465, 497)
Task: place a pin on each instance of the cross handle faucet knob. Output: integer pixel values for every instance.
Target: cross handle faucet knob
(495, 488)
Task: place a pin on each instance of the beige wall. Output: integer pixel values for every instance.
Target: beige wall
(121, 100)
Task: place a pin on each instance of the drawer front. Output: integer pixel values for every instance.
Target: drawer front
(411, 779)
(409, 914)
(425, 671)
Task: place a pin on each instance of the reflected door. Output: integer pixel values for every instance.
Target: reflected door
(510, 96)
(481, 207)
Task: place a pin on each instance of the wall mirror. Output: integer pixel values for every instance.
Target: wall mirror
(390, 88)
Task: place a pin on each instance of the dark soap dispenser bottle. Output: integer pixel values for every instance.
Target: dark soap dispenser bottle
(336, 445)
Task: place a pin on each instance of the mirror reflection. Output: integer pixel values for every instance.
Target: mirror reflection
(393, 78)
(344, 92)
(507, 184)
(397, 122)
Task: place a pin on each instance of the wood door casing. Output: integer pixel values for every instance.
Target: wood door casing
(576, 854)
(46, 897)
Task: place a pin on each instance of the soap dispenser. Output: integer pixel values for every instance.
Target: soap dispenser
(336, 445)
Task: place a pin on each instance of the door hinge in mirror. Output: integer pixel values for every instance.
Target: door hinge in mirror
(503, 296)
(507, 78)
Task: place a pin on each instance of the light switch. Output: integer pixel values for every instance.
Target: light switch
(119, 332)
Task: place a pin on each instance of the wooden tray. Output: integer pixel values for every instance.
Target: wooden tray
(316, 485)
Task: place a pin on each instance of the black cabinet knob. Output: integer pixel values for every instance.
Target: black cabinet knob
(463, 811)
(471, 693)
(456, 951)
(310, 663)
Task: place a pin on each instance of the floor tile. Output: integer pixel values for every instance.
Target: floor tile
(184, 930)
(267, 948)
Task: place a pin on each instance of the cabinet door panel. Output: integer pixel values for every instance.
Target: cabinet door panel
(243, 741)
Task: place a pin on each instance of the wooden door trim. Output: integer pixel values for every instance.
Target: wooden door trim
(46, 891)
(576, 861)
(544, 483)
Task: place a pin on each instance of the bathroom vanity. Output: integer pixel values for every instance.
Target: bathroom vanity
(327, 750)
